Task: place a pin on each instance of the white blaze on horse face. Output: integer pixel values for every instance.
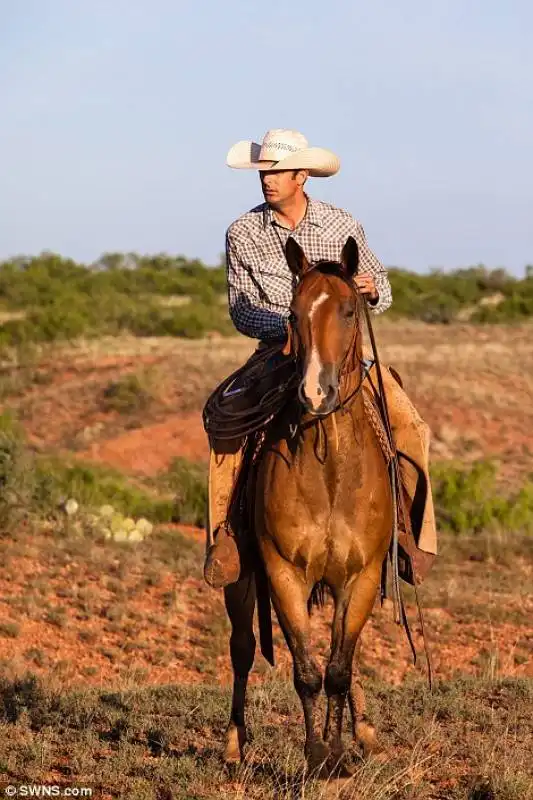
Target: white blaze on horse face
(312, 388)
(316, 303)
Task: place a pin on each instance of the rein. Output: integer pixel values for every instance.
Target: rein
(395, 482)
(225, 419)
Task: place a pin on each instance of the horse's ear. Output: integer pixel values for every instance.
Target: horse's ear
(298, 263)
(350, 257)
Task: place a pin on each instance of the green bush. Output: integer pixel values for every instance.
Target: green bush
(188, 484)
(126, 395)
(15, 472)
(65, 300)
(93, 486)
(439, 296)
(467, 499)
(39, 485)
(123, 292)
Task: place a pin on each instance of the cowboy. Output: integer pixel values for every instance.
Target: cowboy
(260, 289)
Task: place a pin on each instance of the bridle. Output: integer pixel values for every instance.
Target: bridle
(295, 351)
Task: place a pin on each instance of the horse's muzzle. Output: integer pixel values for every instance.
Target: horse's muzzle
(327, 393)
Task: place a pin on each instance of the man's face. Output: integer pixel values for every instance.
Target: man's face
(280, 185)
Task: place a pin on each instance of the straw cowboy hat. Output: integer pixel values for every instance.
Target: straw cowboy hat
(283, 149)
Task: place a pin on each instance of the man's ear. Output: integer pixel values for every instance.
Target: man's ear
(350, 257)
(298, 264)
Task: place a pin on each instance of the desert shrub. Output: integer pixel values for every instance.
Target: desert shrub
(187, 482)
(467, 499)
(34, 485)
(65, 300)
(191, 322)
(126, 395)
(122, 292)
(15, 472)
(93, 486)
(515, 308)
(439, 296)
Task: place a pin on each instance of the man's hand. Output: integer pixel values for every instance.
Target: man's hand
(365, 284)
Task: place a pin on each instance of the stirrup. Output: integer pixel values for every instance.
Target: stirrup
(222, 564)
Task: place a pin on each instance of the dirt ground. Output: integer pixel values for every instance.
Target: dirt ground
(473, 385)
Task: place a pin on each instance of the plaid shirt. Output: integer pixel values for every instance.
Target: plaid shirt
(260, 284)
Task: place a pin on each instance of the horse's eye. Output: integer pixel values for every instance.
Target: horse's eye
(350, 313)
(293, 319)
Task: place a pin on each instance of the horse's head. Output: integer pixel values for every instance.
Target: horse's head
(324, 323)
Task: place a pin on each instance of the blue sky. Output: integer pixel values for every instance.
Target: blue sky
(116, 117)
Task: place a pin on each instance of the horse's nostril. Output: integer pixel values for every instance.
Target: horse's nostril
(332, 392)
(319, 391)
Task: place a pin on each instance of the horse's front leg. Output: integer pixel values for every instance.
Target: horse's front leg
(352, 610)
(289, 594)
(240, 604)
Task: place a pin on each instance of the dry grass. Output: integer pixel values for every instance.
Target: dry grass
(466, 740)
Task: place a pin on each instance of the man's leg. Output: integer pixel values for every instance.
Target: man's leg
(223, 560)
(412, 436)
(222, 564)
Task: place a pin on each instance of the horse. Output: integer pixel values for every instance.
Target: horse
(323, 513)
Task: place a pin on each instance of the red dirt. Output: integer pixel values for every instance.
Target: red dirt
(187, 642)
(150, 449)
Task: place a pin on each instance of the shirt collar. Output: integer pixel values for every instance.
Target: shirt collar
(313, 215)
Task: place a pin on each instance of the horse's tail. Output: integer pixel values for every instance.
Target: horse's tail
(317, 598)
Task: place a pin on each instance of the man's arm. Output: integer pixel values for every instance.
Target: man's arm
(248, 311)
(369, 263)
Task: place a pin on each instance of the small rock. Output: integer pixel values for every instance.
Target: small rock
(71, 506)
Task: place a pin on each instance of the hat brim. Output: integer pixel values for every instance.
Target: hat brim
(320, 163)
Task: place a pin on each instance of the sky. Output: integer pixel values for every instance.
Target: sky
(116, 117)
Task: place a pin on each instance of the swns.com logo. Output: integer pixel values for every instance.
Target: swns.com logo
(47, 791)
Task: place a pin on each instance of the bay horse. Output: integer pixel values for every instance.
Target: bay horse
(323, 513)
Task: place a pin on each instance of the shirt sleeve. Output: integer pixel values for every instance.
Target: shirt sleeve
(369, 262)
(247, 307)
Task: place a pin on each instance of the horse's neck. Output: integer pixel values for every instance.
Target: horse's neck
(351, 378)
(354, 358)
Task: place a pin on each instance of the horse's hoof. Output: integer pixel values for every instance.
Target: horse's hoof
(317, 755)
(366, 740)
(339, 762)
(235, 741)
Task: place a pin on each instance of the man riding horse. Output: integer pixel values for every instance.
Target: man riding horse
(260, 288)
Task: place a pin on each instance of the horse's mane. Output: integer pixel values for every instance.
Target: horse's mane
(330, 268)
